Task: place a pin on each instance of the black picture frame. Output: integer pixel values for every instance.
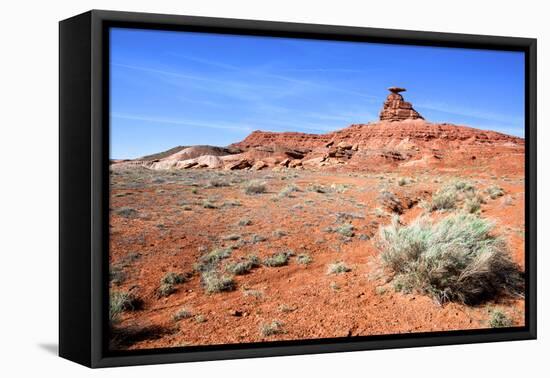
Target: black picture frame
(84, 187)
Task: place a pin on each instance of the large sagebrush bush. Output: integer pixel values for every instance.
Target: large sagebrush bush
(456, 259)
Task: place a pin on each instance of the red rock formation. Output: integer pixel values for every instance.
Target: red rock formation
(388, 134)
(401, 138)
(396, 108)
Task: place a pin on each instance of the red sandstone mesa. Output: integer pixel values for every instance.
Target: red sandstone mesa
(401, 138)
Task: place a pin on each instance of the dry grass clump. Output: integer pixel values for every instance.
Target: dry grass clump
(213, 257)
(214, 282)
(456, 259)
(279, 233)
(288, 190)
(317, 188)
(255, 187)
(116, 275)
(166, 289)
(277, 259)
(244, 266)
(273, 328)
(304, 259)
(452, 193)
(217, 183)
(168, 283)
(232, 237)
(257, 239)
(127, 212)
(472, 205)
(338, 268)
(244, 222)
(173, 278)
(495, 191)
(402, 181)
(120, 302)
(182, 314)
(208, 205)
(200, 318)
(499, 319)
(345, 229)
(443, 199)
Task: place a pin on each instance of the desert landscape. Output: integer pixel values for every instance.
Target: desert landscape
(395, 226)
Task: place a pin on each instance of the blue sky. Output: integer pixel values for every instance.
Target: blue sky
(181, 88)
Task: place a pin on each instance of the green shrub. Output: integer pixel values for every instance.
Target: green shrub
(449, 195)
(278, 259)
(444, 199)
(245, 266)
(213, 282)
(456, 259)
(499, 320)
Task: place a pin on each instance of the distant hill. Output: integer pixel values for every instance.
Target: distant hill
(163, 154)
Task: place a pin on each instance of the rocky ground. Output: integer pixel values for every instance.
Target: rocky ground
(320, 225)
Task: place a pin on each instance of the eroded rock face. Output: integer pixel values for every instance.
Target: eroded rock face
(395, 108)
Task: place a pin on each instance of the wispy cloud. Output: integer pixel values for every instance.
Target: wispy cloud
(238, 89)
(272, 74)
(182, 122)
(469, 112)
(325, 70)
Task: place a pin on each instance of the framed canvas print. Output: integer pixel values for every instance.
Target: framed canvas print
(234, 188)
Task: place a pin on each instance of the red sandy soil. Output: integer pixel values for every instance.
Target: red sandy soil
(171, 229)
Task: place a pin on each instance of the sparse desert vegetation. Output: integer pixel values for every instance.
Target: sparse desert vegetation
(204, 249)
